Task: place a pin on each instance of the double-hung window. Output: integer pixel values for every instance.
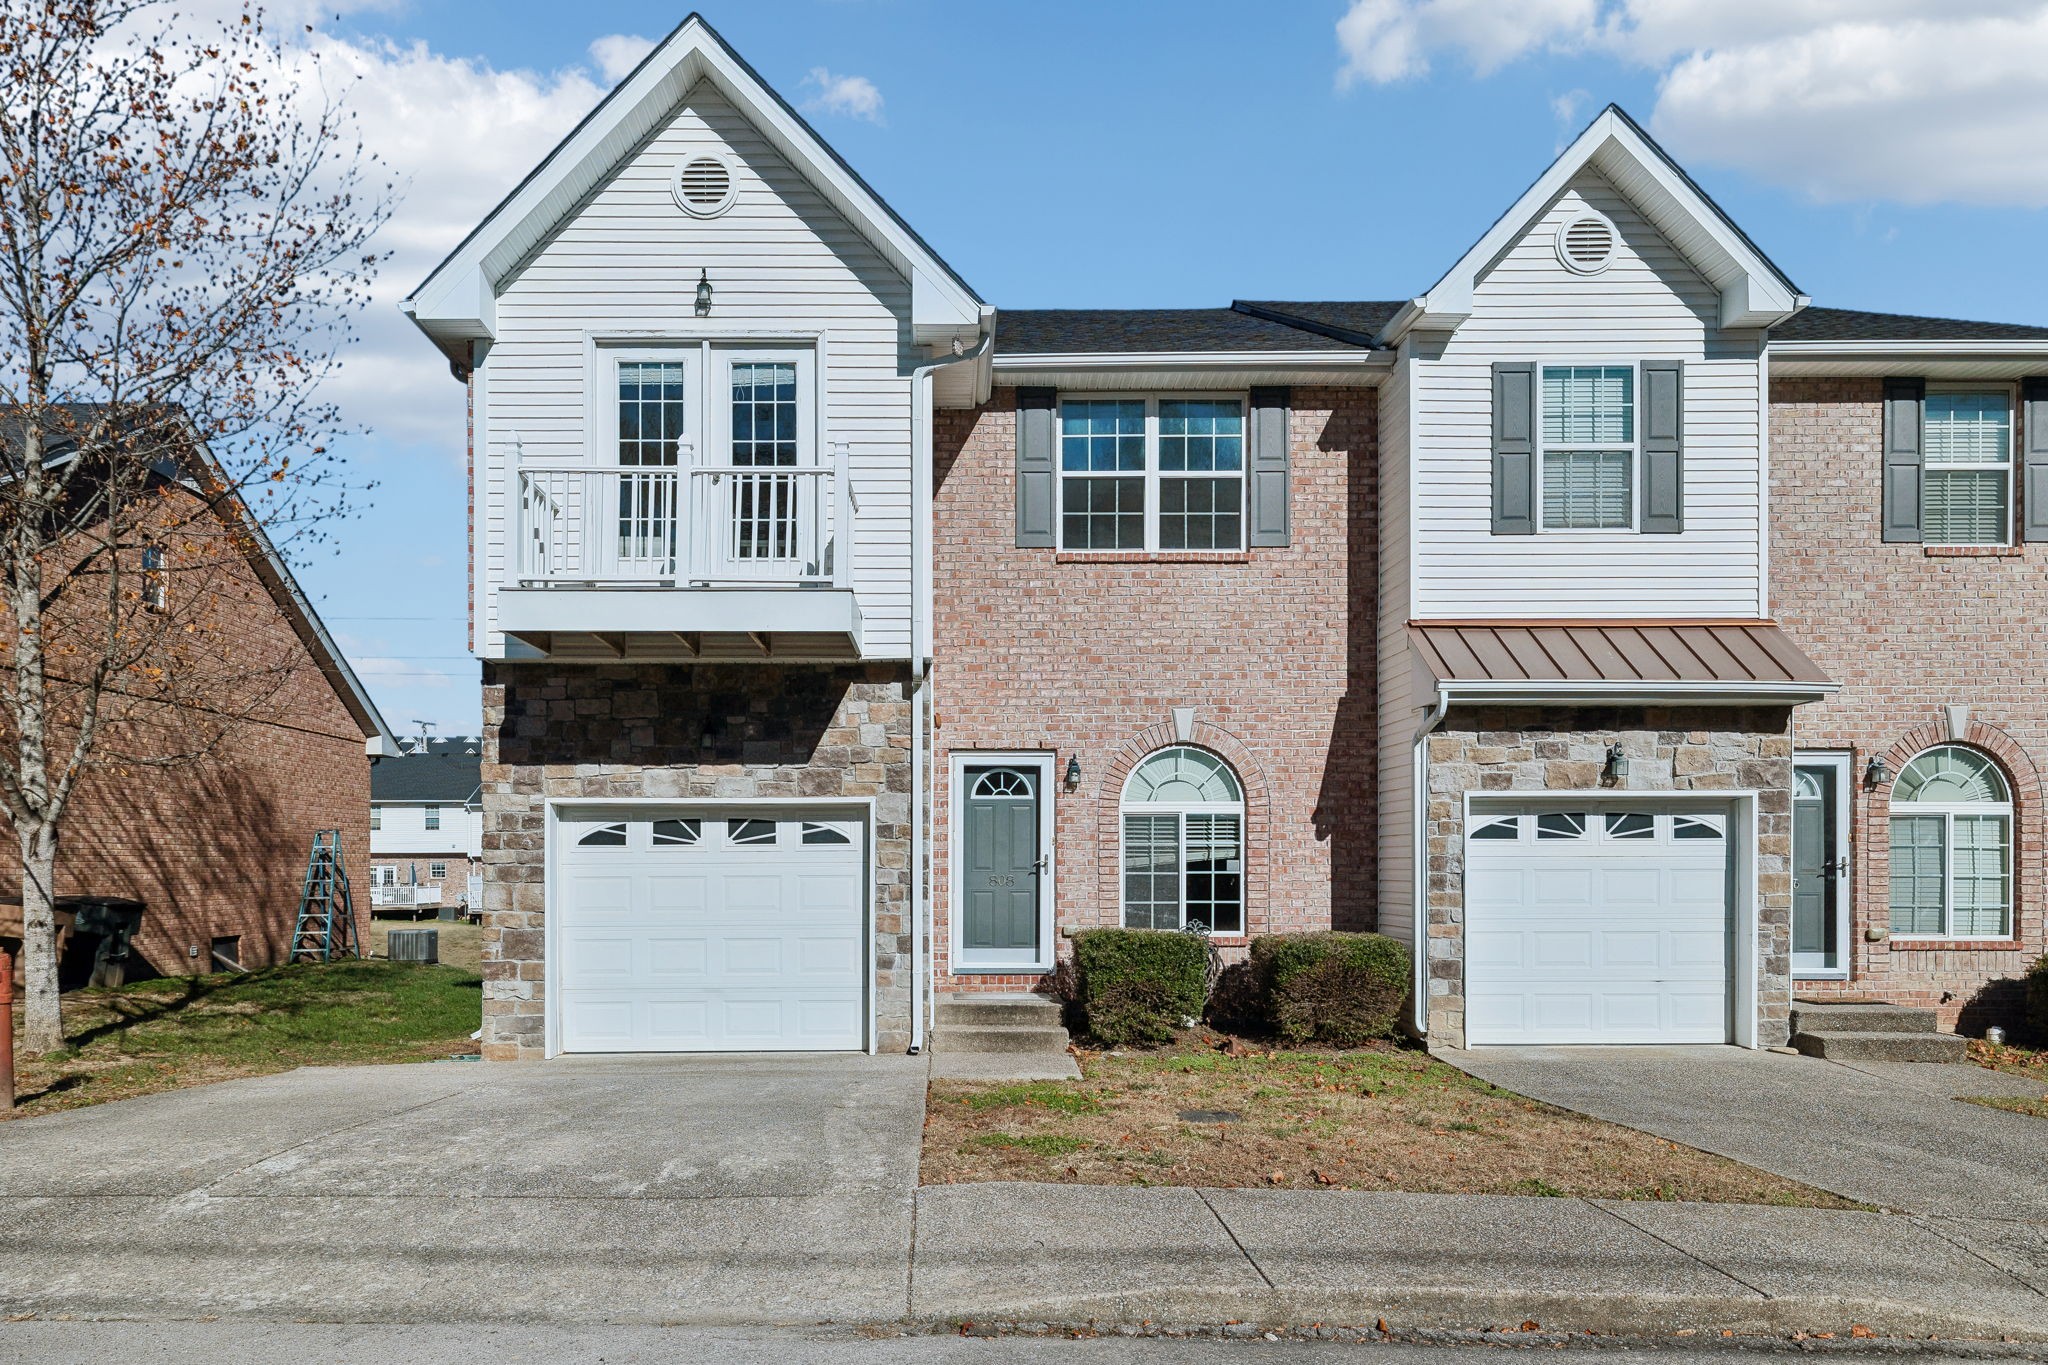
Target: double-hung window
(1588, 426)
(433, 814)
(1967, 496)
(1152, 473)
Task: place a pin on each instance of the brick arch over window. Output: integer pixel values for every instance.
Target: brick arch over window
(2022, 777)
(1109, 793)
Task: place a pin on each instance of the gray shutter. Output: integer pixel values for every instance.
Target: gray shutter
(1514, 449)
(1266, 468)
(1661, 410)
(1904, 414)
(1037, 479)
(2034, 458)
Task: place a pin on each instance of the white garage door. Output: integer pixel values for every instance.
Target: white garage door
(710, 933)
(1585, 925)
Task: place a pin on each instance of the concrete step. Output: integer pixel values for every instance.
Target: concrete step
(1859, 1046)
(1811, 1016)
(998, 1009)
(998, 1038)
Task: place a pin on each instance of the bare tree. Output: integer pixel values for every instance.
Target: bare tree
(185, 219)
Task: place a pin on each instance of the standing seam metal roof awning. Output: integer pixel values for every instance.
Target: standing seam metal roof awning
(1699, 661)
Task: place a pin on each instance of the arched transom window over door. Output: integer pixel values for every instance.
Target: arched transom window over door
(1183, 854)
(1951, 854)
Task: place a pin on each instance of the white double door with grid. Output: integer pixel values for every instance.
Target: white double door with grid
(710, 932)
(1587, 924)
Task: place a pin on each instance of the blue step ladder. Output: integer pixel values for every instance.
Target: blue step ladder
(326, 928)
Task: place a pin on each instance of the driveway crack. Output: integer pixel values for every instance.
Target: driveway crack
(1692, 1256)
(1231, 1233)
(208, 1188)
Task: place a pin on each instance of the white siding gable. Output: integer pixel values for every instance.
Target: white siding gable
(402, 828)
(784, 266)
(1648, 303)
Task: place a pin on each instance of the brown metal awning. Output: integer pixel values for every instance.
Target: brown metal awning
(1697, 662)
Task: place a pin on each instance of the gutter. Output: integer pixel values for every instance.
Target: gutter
(1642, 693)
(1197, 360)
(921, 648)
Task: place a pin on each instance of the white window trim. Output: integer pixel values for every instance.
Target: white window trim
(1152, 473)
(719, 359)
(1181, 810)
(2010, 464)
(1738, 837)
(1042, 761)
(1842, 761)
(1949, 810)
(704, 420)
(559, 812)
(440, 875)
(1634, 447)
(430, 816)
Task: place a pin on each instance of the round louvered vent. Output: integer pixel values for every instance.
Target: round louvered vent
(704, 186)
(1586, 243)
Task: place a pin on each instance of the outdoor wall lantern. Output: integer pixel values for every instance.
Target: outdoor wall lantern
(1073, 771)
(1878, 773)
(703, 293)
(1617, 766)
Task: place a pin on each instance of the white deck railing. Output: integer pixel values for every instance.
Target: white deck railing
(684, 525)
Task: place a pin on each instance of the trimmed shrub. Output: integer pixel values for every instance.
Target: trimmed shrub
(2037, 999)
(1139, 985)
(1340, 989)
(1236, 1004)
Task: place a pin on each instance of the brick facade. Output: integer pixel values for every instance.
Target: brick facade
(1503, 749)
(453, 881)
(691, 733)
(1908, 630)
(1086, 656)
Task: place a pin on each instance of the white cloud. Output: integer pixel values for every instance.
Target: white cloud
(616, 54)
(853, 96)
(1902, 100)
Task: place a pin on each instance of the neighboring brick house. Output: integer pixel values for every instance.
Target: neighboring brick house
(849, 643)
(427, 826)
(216, 847)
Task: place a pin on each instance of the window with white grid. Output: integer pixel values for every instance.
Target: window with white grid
(1152, 473)
(1183, 854)
(652, 409)
(1588, 430)
(1967, 454)
(1951, 847)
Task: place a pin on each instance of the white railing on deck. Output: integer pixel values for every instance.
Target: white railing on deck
(684, 525)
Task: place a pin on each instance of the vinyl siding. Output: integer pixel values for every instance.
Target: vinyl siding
(782, 264)
(1397, 705)
(404, 830)
(1648, 303)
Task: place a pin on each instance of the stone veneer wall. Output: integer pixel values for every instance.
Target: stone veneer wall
(718, 732)
(1515, 749)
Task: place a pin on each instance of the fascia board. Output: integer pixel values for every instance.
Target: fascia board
(1196, 360)
(1880, 349)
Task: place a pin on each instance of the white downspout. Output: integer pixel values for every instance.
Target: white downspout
(921, 648)
(1419, 855)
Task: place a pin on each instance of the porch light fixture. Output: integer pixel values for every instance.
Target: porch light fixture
(1878, 773)
(1616, 769)
(703, 293)
(1073, 771)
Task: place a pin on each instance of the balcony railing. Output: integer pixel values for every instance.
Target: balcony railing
(685, 525)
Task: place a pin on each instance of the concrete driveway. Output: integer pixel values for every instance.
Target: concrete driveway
(655, 1189)
(1887, 1133)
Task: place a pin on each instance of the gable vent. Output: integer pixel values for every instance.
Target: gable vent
(1586, 243)
(704, 186)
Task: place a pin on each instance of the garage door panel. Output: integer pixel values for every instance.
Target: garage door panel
(712, 943)
(1597, 938)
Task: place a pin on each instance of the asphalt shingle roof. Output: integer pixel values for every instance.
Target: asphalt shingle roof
(1125, 331)
(450, 772)
(1356, 322)
(1854, 324)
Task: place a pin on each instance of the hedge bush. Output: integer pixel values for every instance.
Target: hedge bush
(1139, 985)
(2037, 999)
(1340, 989)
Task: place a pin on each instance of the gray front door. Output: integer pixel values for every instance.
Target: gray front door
(1816, 869)
(1000, 869)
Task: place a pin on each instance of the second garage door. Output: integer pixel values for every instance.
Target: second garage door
(1586, 925)
(710, 933)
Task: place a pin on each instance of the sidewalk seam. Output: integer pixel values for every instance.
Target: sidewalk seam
(910, 1262)
(1231, 1233)
(1689, 1255)
(207, 1188)
(1921, 1221)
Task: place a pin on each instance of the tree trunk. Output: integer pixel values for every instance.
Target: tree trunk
(42, 1009)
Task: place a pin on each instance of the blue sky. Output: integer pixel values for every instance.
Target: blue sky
(1156, 154)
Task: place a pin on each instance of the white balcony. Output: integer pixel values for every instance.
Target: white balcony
(683, 560)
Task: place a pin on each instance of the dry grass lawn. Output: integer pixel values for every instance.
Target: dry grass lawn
(1376, 1119)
